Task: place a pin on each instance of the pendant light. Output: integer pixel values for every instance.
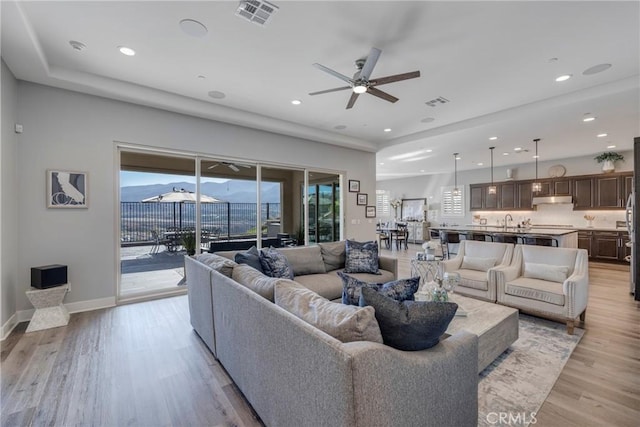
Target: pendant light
(456, 191)
(536, 187)
(492, 188)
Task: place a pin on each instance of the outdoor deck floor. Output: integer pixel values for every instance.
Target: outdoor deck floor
(145, 273)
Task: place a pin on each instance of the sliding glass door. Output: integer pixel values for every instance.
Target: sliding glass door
(324, 207)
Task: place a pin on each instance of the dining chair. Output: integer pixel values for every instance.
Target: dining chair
(402, 235)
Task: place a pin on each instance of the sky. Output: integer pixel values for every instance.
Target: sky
(130, 179)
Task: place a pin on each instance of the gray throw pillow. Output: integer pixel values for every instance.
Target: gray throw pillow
(274, 264)
(409, 325)
(251, 257)
(361, 257)
(333, 254)
(399, 290)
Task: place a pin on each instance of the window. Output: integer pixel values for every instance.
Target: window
(383, 198)
(452, 205)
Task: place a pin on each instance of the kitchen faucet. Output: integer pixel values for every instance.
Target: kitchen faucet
(506, 224)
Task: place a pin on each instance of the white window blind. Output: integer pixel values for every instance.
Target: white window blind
(383, 208)
(452, 205)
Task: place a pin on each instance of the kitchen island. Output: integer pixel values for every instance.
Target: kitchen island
(566, 237)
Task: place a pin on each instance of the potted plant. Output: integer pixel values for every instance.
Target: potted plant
(189, 242)
(608, 158)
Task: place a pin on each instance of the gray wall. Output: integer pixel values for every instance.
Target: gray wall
(68, 130)
(430, 186)
(9, 193)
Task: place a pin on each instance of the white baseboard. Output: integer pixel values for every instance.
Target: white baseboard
(73, 307)
(8, 327)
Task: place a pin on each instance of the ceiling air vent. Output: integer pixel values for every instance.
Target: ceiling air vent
(438, 100)
(257, 11)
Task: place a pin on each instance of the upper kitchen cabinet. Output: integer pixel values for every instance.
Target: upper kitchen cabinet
(609, 192)
(583, 193)
(508, 195)
(524, 195)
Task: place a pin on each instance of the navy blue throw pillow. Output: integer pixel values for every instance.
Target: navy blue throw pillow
(399, 290)
(409, 325)
(251, 257)
(275, 264)
(361, 257)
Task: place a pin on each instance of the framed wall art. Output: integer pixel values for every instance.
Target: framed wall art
(362, 199)
(370, 212)
(354, 186)
(66, 189)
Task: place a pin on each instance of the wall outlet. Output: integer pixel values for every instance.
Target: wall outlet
(18, 128)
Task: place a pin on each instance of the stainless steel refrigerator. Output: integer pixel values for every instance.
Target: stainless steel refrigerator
(633, 221)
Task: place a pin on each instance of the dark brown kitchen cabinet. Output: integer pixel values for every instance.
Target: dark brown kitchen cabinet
(508, 195)
(476, 193)
(562, 187)
(491, 201)
(584, 241)
(627, 187)
(583, 193)
(524, 196)
(606, 245)
(608, 192)
(546, 189)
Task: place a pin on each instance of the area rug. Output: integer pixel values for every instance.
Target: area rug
(514, 387)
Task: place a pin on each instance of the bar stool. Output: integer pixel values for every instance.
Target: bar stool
(505, 238)
(539, 240)
(447, 238)
(479, 236)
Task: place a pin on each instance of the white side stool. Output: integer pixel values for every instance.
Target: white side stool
(50, 313)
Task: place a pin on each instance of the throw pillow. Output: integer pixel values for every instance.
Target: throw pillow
(479, 264)
(361, 257)
(550, 273)
(333, 254)
(250, 257)
(409, 325)
(400, 290)
(256, 281)
(274, 264)
(220, 264)
(345, 323)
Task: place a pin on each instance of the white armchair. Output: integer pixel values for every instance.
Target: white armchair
(476, 262)
(548, 282)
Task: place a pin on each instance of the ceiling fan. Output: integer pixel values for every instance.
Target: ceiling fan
(233, 166)
(360, 82)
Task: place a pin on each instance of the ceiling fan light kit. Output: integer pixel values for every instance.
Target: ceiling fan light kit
(360, 82)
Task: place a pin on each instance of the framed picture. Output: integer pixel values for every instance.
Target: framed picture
(354, 186)
(370, 212)
(411, 209)
(66, 189)
(362, 199)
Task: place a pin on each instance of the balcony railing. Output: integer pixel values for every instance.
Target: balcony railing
(139, 221)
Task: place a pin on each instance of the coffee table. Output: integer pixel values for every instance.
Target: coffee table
(495, 325)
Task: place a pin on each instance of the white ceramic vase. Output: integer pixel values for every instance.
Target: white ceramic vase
(608, 166)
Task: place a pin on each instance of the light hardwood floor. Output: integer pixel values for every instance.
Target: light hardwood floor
(142, 365)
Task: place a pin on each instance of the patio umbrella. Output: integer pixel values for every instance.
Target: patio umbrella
(179, 196)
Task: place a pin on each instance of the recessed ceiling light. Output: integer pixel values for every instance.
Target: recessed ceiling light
(493, 138)
(340, 127)
(387, 130)
(215, 94)
(517, 149)
(458, 157)
(76, 45)
(596, 69)
(381, 163)
(428, 150)
(588, 119)
(602, 135)
(427, 120)
(296, 102)
(611, 146)
(421, 170)
(480, 164)
(505, 154)
(535, 156)
(193, 28)
(563, 78)
(126, 50)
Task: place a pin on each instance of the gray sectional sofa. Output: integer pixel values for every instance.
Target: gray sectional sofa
(294, 374)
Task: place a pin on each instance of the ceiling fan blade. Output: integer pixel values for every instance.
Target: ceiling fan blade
(214, 166)
(233, 167)
(330, 90)
(371, 61)
(333, 73)
(380, 94)
(352, 100)
(394, 78)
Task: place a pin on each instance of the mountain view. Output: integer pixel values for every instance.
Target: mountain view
(234, 191)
